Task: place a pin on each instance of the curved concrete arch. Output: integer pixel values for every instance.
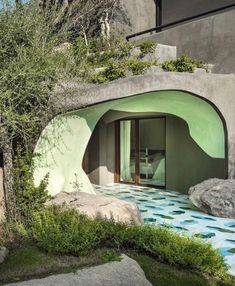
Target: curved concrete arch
(63, 142)
(218, 89)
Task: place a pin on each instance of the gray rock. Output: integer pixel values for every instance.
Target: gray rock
(127, 272)
(3, 253)
(215, 196)
(99, 206)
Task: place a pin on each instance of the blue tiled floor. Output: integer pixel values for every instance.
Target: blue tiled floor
(176, 211)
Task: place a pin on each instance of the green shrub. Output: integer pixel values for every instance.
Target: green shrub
(147, 47)
(183, 64)
(66, 232)
(114, 71)
(99, 52)
(137, 67)
(29, 198)
(110, 255)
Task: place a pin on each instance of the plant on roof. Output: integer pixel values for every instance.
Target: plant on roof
(147, 47)
(183, 64)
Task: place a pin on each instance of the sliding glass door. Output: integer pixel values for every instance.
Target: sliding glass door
(141, 148)
(152, 151)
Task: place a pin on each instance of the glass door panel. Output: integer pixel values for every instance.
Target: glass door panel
(152, 151)
(127, 151)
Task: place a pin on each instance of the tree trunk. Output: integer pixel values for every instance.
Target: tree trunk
(8, 177)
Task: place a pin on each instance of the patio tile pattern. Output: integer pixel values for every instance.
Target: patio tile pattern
(175, 210)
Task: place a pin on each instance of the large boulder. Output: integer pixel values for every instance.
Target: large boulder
(126, 272)
(99, 206)
(3, 253)
(215, 196)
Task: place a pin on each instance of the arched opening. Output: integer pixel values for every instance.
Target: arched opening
(195, 141)
(161, 152)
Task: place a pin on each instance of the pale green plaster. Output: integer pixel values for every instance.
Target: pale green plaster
(64, 140)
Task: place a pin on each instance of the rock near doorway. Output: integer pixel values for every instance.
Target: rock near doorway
(99, 206)
(215, 196)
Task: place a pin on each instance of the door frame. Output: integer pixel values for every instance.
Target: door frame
(117, 177)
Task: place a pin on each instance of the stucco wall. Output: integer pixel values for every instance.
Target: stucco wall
(210, 39)
(186, 163)
(173, 10)
(141, 15)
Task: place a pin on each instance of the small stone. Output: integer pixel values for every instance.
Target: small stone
(3, 253)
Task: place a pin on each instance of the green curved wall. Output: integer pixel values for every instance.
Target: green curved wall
(63, 142)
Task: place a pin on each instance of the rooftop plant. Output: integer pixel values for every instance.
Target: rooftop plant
(147, 47)
(183, 64)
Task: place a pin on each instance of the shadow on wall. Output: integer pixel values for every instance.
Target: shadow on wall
(187, 164)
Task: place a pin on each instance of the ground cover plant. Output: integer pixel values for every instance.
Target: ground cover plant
(160, 274)
(62, 231)
(27, 261)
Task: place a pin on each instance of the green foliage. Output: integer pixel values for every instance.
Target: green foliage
(110, 255)
(114, 71)
(70, 233)
(29, 198)
(160, 274)
(99, 52)
(112, 55)
(66, 232)
(26, 261)
(27, 73)
(183, 64)
(138, 67)
(116, 47)
(147, 47)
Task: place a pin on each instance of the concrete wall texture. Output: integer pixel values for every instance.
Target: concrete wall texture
(186, 163)
(210, 39)
(176, 10)
(141, 14)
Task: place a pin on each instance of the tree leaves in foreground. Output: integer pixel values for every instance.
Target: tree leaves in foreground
(27, 75)
(30, 67)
